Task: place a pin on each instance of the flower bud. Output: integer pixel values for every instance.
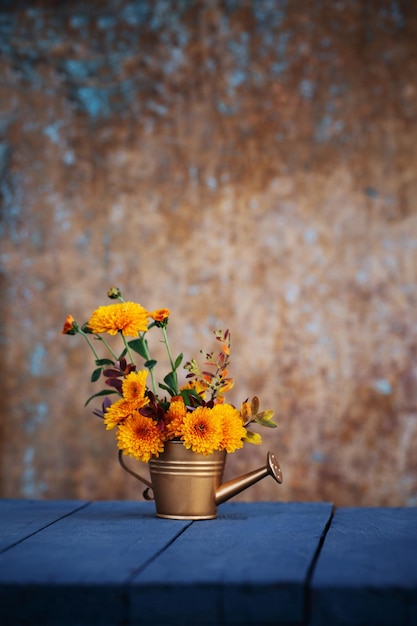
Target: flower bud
(70, 326)
(160, 317)
(114, 293)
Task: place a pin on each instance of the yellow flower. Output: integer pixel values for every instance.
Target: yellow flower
(129, 318)
(117, 412)
(140, 437)
(134, 387)
(202, 431)
(175, 417)
(233, 431)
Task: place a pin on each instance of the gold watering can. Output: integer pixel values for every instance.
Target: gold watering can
(187, 485)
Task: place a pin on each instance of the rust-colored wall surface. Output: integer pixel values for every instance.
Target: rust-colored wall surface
(249, 165)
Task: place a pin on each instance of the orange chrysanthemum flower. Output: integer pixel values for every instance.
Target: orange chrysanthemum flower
(134, 387)
(129, 318)
(202, 431)
(160, 315)
(140, 437)
(233, 429)
(117, 412)
(175, 417)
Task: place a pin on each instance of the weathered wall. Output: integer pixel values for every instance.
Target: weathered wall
(249, 165)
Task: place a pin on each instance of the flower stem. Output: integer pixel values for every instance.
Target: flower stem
(128, 349)
(148, 358)
(164, 332)
(108, 347)
(86, 337)
(153, 380)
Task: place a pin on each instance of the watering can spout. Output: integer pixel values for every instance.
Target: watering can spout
(233, 487)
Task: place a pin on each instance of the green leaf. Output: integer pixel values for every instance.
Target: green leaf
(150, 364)
(254, 438)
(140, 346)
(187, 394)
(171, 380)
(165, 388)
(104, 362)
(266, 423)
(178, 361)
(265, 415)
(96, 375)
(104, 392)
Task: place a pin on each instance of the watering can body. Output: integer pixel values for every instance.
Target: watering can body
(187, 485)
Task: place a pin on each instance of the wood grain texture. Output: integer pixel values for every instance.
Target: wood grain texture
(116, 563)
(77, 570)
(367, 570)
(250, 567)
(21, 518)
(258, 564)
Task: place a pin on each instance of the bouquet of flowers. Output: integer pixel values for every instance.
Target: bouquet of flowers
(146, 414)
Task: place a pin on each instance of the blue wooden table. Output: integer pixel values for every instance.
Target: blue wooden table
(115, 563)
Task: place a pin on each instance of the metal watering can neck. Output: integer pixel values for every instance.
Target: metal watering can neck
(228, 489)
(237, 485)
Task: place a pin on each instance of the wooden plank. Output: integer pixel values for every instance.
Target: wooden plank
(249, 566)
(21, 518)
(76, 571)
(367, 569)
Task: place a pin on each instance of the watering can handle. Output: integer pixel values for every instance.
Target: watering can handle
(146, 494)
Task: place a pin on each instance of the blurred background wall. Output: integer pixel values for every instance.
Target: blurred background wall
(249, 165)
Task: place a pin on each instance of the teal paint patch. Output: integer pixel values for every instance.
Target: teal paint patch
(307, 89)
(383, 387)
(237, 78)
(317, 457)
(28, 476)
(226, 109)
(37, 360)
(83, 240)
(52, 132)
(211, 182)
(135, 13)
(81, 69)
(36, 415)
(270, 13)
(78, 21)
(371, 192)
(310, 235)
(157, 108)
(95, 101)
(105, 22)
(11, 193)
